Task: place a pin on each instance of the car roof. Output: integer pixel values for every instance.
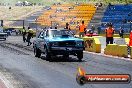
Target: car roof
(56, 29)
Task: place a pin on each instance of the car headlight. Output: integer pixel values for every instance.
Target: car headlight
(79, 43)
(55, 44)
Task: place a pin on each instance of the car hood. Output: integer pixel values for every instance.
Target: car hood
(64, 39)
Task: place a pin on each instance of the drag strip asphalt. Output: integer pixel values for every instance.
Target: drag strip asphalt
(59, 73)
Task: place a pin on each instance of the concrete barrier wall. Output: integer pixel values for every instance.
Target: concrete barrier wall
(116, 50)
(127, 40)
(131, 52)
(110, 49)
(92, 44)
(123, 51)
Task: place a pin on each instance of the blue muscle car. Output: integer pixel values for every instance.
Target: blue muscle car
(54, 42)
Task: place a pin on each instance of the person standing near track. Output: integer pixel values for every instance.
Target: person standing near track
(109, 34)
(24, 34)
(121, 32)
(130, 42)
(29, 36)
(82, 29)
(130, 39)
(67, 26)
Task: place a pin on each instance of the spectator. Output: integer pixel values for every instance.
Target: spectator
(9, 7)
(39, 4)
(64, 18)
(50, 16)
(96, 5)
(99, 30)
(100, 4)
(67, 26)
(24, 34)
(121, 32)
(130, 42)
(77, 4)
(34, 4)
(30, 34)
(109, 34)
(93, 28)
(111, 7)
(82, 29)
(50, 28)
(91, 31)
(56, 27)
(130, 39)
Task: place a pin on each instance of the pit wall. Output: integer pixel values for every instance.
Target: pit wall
(92, 44)
(116, 50)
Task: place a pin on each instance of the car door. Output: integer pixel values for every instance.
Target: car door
(41, 41)
(44, 42)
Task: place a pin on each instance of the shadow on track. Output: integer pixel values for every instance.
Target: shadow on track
(62, 59)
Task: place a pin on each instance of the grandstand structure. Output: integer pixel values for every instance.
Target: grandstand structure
(119, 15)
(73, 14)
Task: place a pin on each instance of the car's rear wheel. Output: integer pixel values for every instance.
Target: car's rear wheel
(47, 54)
(80, 55)
(37, 52)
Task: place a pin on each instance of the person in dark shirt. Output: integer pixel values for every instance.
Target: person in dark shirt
(24, 34)
(56, 27)
(67, 26)
(121, 32)
(29, 36)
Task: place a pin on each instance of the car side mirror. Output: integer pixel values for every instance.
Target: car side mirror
(42, 37)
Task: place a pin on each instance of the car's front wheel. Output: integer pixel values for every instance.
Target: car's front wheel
(47, 54)
(4, 39)
(37, 52)
(80, 55)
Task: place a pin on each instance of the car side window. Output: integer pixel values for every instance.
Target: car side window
(41, 35)
(46, 33)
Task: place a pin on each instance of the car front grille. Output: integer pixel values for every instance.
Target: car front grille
(67, 43)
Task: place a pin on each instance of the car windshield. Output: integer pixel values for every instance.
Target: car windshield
(1, 29)
(60, 33)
